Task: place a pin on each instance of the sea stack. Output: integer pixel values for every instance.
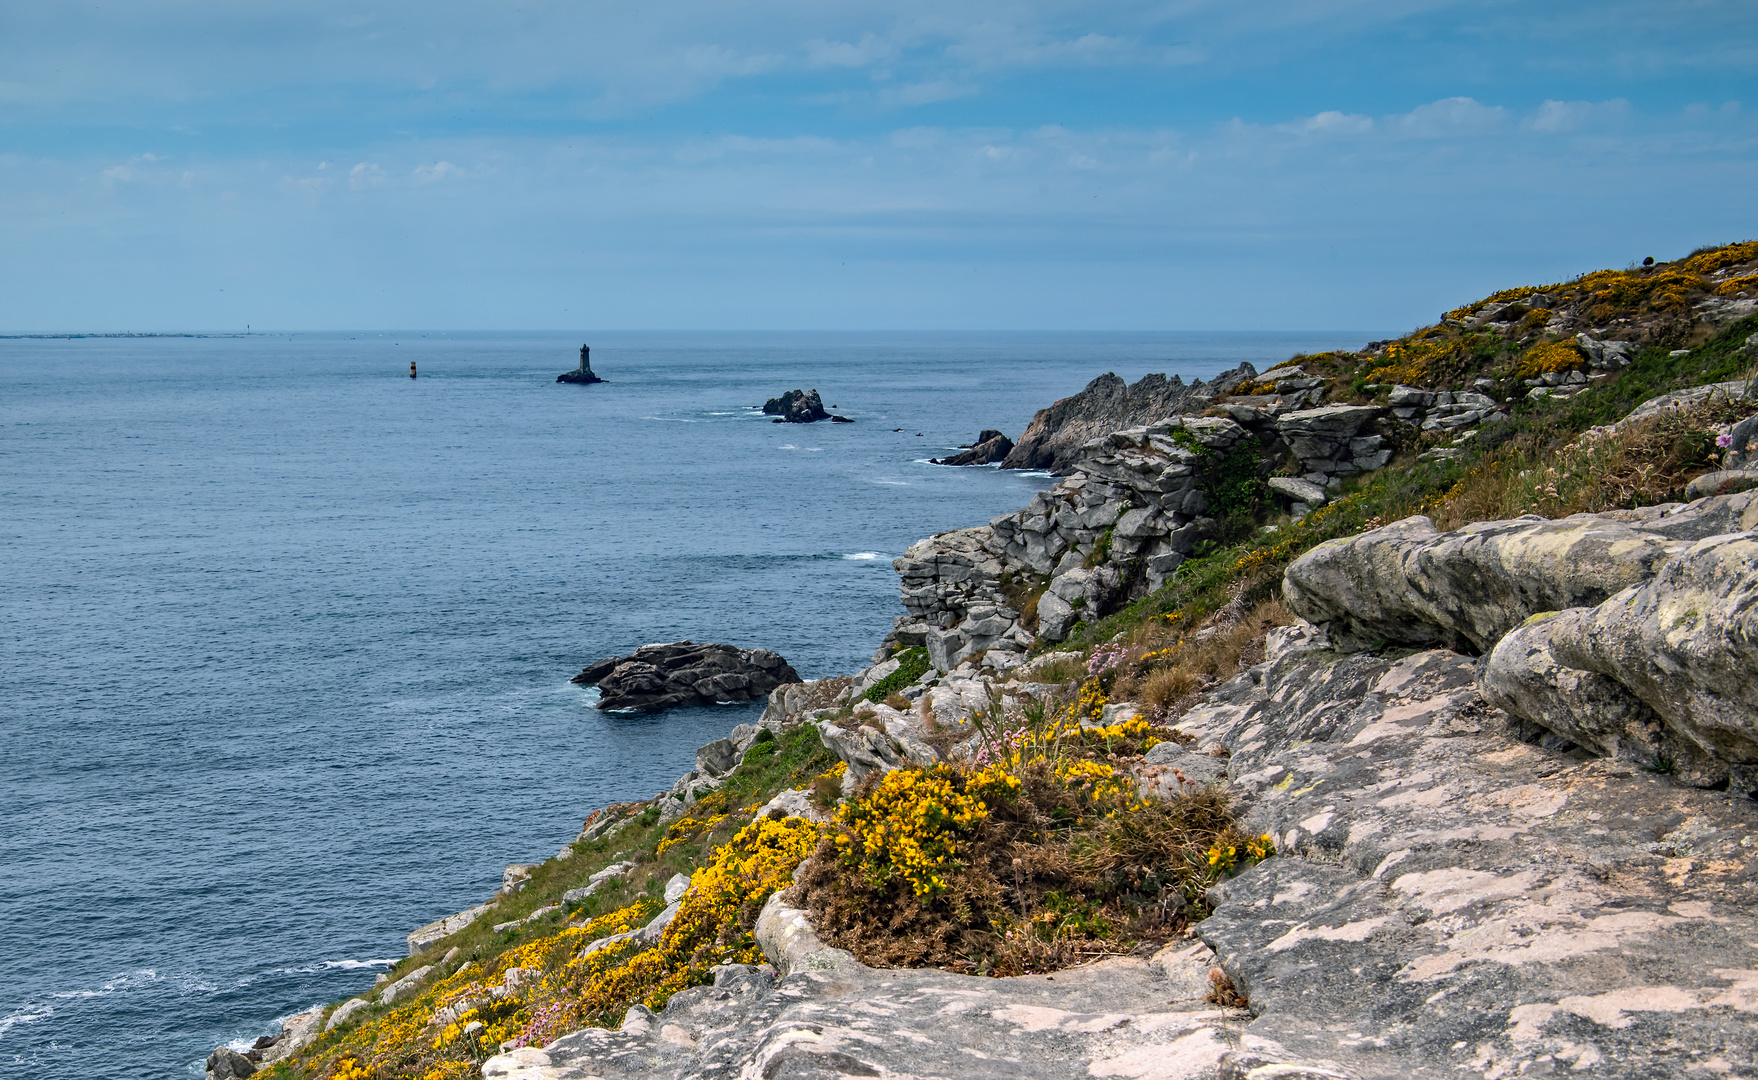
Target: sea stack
(582, 374)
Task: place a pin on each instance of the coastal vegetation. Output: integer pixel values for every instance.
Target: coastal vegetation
(1038, 849)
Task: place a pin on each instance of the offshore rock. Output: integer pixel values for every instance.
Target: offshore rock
(991, 446)
(1055, 436)
(798, 407)
(657, 677)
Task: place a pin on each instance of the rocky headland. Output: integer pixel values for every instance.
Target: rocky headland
(656, 677)
(991, 448)
(1385, 714)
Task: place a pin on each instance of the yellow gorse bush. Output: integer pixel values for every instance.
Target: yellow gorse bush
(1550, 356)
(1709, 262)
(570, 985)
(911, 825)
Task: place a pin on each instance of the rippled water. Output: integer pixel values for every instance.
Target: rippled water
(285, 636)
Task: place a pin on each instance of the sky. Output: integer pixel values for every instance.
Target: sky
(806, 165)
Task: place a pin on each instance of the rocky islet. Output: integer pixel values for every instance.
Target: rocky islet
(656, 677)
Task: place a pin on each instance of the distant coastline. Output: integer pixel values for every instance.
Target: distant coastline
(130, 334)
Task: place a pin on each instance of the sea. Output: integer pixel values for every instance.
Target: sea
(285, 635)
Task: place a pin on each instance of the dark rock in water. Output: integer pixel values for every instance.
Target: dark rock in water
(582, 374)
(659, 677)
(226, 1063)
(1054, 437)
(840, 420)
(991, 446)
(797, 407)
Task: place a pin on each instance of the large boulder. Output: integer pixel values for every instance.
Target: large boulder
(659, 677)
(1523, 676)
(226, 1063)
(797, 407)
(1408, 583)
(1054, 438)
(1686, 643)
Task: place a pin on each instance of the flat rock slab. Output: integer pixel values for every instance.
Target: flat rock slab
(837, 1018)
(1451, 901)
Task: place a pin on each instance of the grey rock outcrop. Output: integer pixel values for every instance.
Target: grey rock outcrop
(345, 1010)
(991, 446)
(434, 932)
(813, 1016)
(1054, 438)
(1328, 443)
(659, 677)
(1524, 677)
(1686, 643)
(797, 407)
(226, 1063)
(1139, 487)
(597, 881)
(408, 986)
(1410, 584)
(1722, 482)
(1448, 898)
(297, 1032)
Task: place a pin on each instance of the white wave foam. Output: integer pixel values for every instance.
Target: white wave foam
(893, 483)
(672, 419)
(116, 983)
(787, 446)
(328, 965)
(864, 556)
(25, 1014)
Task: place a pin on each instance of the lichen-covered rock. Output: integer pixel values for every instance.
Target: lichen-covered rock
(1522, 676)
(1449, 900)
(1411, 584)
(1686, 643)
(828, 1016)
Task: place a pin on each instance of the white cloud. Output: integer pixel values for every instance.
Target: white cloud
(927, 93)
(365, 175)
(439, 170)
(1330, 122)
(870, 49)
(1558, 116)
(1450, 116)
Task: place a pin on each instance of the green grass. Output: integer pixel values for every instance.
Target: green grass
(912, 665)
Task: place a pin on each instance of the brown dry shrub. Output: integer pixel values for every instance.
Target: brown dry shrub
(1177, 669)
(1644, 463)
(1036, 892)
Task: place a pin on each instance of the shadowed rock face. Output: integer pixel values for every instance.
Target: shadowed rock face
(659, 677)
(991, 446)
(1054, 437)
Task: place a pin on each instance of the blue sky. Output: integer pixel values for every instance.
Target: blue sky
(797, 164)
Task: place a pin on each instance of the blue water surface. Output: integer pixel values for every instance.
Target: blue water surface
(285, 636)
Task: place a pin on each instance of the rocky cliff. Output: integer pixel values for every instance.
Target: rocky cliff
(1054, 436)
(1488, 778)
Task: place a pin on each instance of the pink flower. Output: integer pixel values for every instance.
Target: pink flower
(1724, 440)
